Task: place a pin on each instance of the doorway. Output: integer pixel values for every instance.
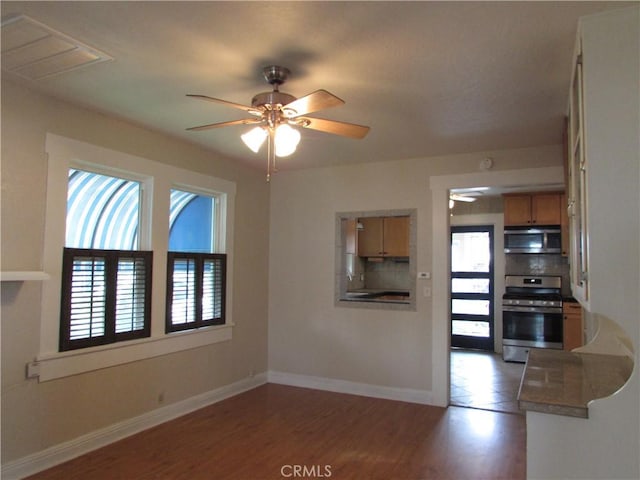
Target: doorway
(472, 287)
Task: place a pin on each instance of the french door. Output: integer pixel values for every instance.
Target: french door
(472, 284)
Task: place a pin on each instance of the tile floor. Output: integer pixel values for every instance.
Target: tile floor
(483, 380)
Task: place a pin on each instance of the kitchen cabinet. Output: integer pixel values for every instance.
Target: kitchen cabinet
(523, 209)
(572, 330)
(383, 237)
(350, 225)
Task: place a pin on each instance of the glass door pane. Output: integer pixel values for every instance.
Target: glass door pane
(472, 287)
(470, 251)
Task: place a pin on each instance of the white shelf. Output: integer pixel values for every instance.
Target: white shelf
(17, 276)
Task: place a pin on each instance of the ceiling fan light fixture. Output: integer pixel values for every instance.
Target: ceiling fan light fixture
(287, 140)
(254, 138)
(277, 112)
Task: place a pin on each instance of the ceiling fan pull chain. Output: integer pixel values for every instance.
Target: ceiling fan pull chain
(271, 152)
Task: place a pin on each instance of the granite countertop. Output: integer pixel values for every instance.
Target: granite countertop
(377, 296)
(564, 383)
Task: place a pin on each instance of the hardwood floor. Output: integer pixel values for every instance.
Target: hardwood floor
(276, 432)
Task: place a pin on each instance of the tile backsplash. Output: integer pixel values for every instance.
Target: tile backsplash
(539, 264)
(388, 273)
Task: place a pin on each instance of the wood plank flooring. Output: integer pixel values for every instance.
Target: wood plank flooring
(276, 432)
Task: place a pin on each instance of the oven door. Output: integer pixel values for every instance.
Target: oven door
(537, 327)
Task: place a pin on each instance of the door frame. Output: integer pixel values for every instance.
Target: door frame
(441, 256)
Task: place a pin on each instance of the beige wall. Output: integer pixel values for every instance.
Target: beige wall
(38, 415)
(308, 335)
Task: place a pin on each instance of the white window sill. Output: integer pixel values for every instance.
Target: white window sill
(64, 364)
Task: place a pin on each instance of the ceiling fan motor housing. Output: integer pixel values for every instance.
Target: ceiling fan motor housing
(275, 75)
(272, 99)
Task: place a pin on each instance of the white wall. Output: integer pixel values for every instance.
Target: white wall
(36, 416)
(378, 352)
(607, 444)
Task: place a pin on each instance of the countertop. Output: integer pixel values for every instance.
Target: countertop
(376, 296)
(564, 383)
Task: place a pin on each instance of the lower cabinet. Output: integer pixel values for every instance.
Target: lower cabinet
(572, 325)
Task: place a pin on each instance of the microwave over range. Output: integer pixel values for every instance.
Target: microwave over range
(532, 240)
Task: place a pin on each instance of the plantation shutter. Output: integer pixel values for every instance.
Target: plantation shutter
(196, 290)
(106, 297)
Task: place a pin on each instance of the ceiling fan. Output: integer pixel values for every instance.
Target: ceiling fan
(276, 114)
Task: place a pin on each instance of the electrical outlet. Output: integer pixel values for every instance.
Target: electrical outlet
(161, 397)
(424, 275)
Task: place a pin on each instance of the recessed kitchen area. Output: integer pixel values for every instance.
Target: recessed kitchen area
(375, 258)
(532, 303)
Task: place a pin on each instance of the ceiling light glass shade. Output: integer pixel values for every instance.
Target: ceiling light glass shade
(287, 139)
(254, 138)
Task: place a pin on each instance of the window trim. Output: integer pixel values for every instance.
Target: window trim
(156, 180)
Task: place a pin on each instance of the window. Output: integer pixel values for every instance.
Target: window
(195, 290)
(196, 277)
(106, 284)
(192, 221)
(107, 211)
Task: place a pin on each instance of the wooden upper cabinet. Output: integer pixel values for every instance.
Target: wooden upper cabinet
(517, 209)
(545, 209)
(396, 236)
(349, 226)
(370, 237)
(383, 237)
(532, 209)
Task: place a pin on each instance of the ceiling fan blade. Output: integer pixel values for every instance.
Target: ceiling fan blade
(318, 100)
(244, 121)
(245, 108)
(461, 198)
(331, 126)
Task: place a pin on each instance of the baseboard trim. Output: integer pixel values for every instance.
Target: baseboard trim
(63, 452)
(423, 397)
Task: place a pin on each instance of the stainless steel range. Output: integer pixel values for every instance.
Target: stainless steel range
(531, 315)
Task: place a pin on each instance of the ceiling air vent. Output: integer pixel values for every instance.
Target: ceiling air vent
(34, 51)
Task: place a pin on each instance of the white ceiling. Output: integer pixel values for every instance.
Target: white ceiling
(429, 78)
